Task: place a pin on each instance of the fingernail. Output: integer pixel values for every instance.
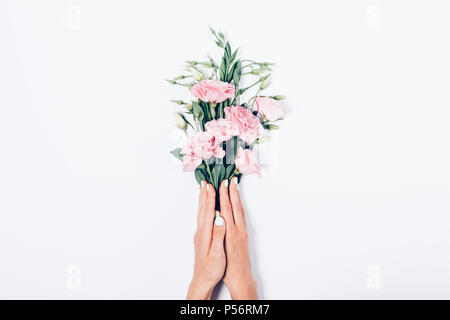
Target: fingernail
(217, 214)
(226, 183)
(207, 187)
(235, 180)
(202, 183)
(219, 221)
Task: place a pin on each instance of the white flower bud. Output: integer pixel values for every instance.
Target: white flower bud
(180, 121)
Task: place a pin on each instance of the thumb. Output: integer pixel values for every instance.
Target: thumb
(218, 235)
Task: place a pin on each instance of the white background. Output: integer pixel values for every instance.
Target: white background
(93, 206)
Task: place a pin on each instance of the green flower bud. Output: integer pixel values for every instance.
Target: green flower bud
(265, 82)
(192, 62)
(197, 74)
(278, 97)
(271, 127)
(180, 102)
(171, 81)
(263, 139)
(180, 121)
(206, 64)
(256, 72)
(188, 107)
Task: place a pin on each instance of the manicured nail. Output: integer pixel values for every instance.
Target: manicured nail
(226, 183)
(202, 183)
(235, 180)
(217, 214)
(208, 187)
(219, 221)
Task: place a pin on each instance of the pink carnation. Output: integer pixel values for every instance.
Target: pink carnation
(213, 91)
(201, 146)
(246, 162)
(222, 129)
(247, 123)
(271, 109)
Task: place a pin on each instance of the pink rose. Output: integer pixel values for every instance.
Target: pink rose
(213, 91)
(246, 162)
(201, 146)
(222, 129)
(271, 109)
(247, 123)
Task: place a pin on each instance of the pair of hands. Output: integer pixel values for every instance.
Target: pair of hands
(221, 245)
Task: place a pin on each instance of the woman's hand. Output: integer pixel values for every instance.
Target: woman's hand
(238, 276)
(210, 258)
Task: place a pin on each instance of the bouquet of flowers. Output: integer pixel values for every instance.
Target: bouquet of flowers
(221, 129)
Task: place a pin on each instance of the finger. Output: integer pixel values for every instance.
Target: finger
(225, 205)
(202, 239)
(235, 199)
(210, 205)
(201, 203)
(206, 226)
(218, 235)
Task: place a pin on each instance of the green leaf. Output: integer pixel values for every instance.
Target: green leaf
(176, 153)
(229, 170)
(234, 68)
(212, 31)
(200, 174)
(218, 174)
(228, 51)
(198, 111)
(219, 43)
(237, 73)
(223, 69)
(233, 56)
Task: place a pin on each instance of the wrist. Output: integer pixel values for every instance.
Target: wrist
(243, 290)
(200, 290)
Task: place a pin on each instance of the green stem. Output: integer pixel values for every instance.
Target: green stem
(245, 89)
(213, 111)
(183, 84)
(247, 60)
(193, 126)
(221, 110)
(196, 125)
(250, 64)
(208, 170)
(253, 102)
